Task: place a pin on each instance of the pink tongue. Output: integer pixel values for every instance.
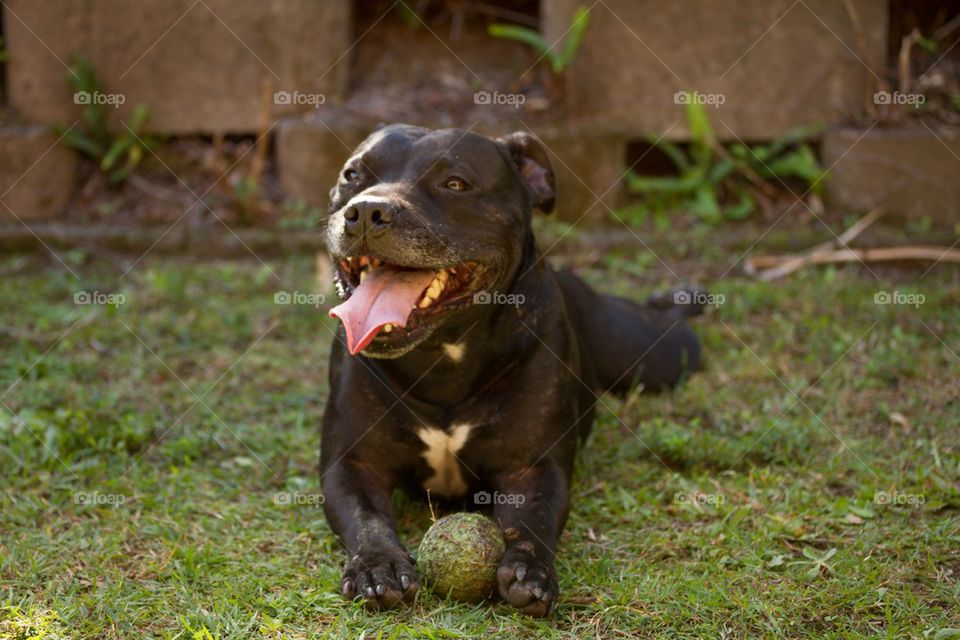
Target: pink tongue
(385, 296)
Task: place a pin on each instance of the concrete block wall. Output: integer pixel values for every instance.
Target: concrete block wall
(912, 173)
(199, 67)
(37, 174)
(777, 64)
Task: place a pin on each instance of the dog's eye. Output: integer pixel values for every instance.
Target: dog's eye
(349, 175)
(456, 184)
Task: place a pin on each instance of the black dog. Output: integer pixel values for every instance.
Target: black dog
(464, 363)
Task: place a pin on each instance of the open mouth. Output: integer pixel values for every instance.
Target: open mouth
(394, 302)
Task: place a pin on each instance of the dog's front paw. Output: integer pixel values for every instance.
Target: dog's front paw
(527, 582)
(381, 577)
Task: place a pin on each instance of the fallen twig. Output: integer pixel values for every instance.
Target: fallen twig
(773, 267)
(838, 250)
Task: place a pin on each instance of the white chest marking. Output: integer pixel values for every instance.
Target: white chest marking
(441, 455)
(455, 351)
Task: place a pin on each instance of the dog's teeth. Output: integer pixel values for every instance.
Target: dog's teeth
(363, 274)
(435, 288)
(387, 328)
(425, 302)
(443, 276)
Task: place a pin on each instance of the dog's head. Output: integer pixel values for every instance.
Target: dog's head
(423, 222)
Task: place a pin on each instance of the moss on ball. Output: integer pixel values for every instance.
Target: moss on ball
(459, 555)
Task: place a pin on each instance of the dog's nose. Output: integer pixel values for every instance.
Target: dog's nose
(369, 216)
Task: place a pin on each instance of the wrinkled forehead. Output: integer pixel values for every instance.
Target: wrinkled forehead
(402, 150)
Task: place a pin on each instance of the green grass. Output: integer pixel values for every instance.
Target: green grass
(728, 509)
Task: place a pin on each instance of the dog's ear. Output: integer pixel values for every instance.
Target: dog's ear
(530, 157)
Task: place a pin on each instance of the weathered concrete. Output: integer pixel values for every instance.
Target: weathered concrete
(310, 153)
(777, 64)
(589, 168)
(199, 66)
(910, 172)
(37, 174)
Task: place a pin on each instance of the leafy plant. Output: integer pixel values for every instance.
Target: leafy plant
(816, 562)
(117, 154)
(298, 215)
(715, 180)
(559, 59)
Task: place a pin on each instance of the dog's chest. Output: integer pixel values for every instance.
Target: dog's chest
(442, 447)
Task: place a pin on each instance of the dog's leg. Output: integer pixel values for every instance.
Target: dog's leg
(358, 508)
(536, 507)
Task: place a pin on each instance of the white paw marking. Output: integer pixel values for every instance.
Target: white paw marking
(441, 455)
(455, 351)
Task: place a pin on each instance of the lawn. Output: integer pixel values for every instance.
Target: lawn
(158, 460)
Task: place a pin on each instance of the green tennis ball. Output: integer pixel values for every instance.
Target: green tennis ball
(459, 555)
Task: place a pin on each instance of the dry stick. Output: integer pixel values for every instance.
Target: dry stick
(790, 263)
(947, 29)
(906, 77)
(882, 254)
(859, 227)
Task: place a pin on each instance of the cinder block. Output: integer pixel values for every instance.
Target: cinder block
(311, 151)
(198, 66)
(911, 172)
(37, 175)
(777, 64)
(589, 167)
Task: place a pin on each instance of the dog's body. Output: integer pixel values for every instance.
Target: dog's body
(491, 381)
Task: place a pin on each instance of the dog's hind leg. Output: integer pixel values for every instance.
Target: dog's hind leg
(630, 344)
